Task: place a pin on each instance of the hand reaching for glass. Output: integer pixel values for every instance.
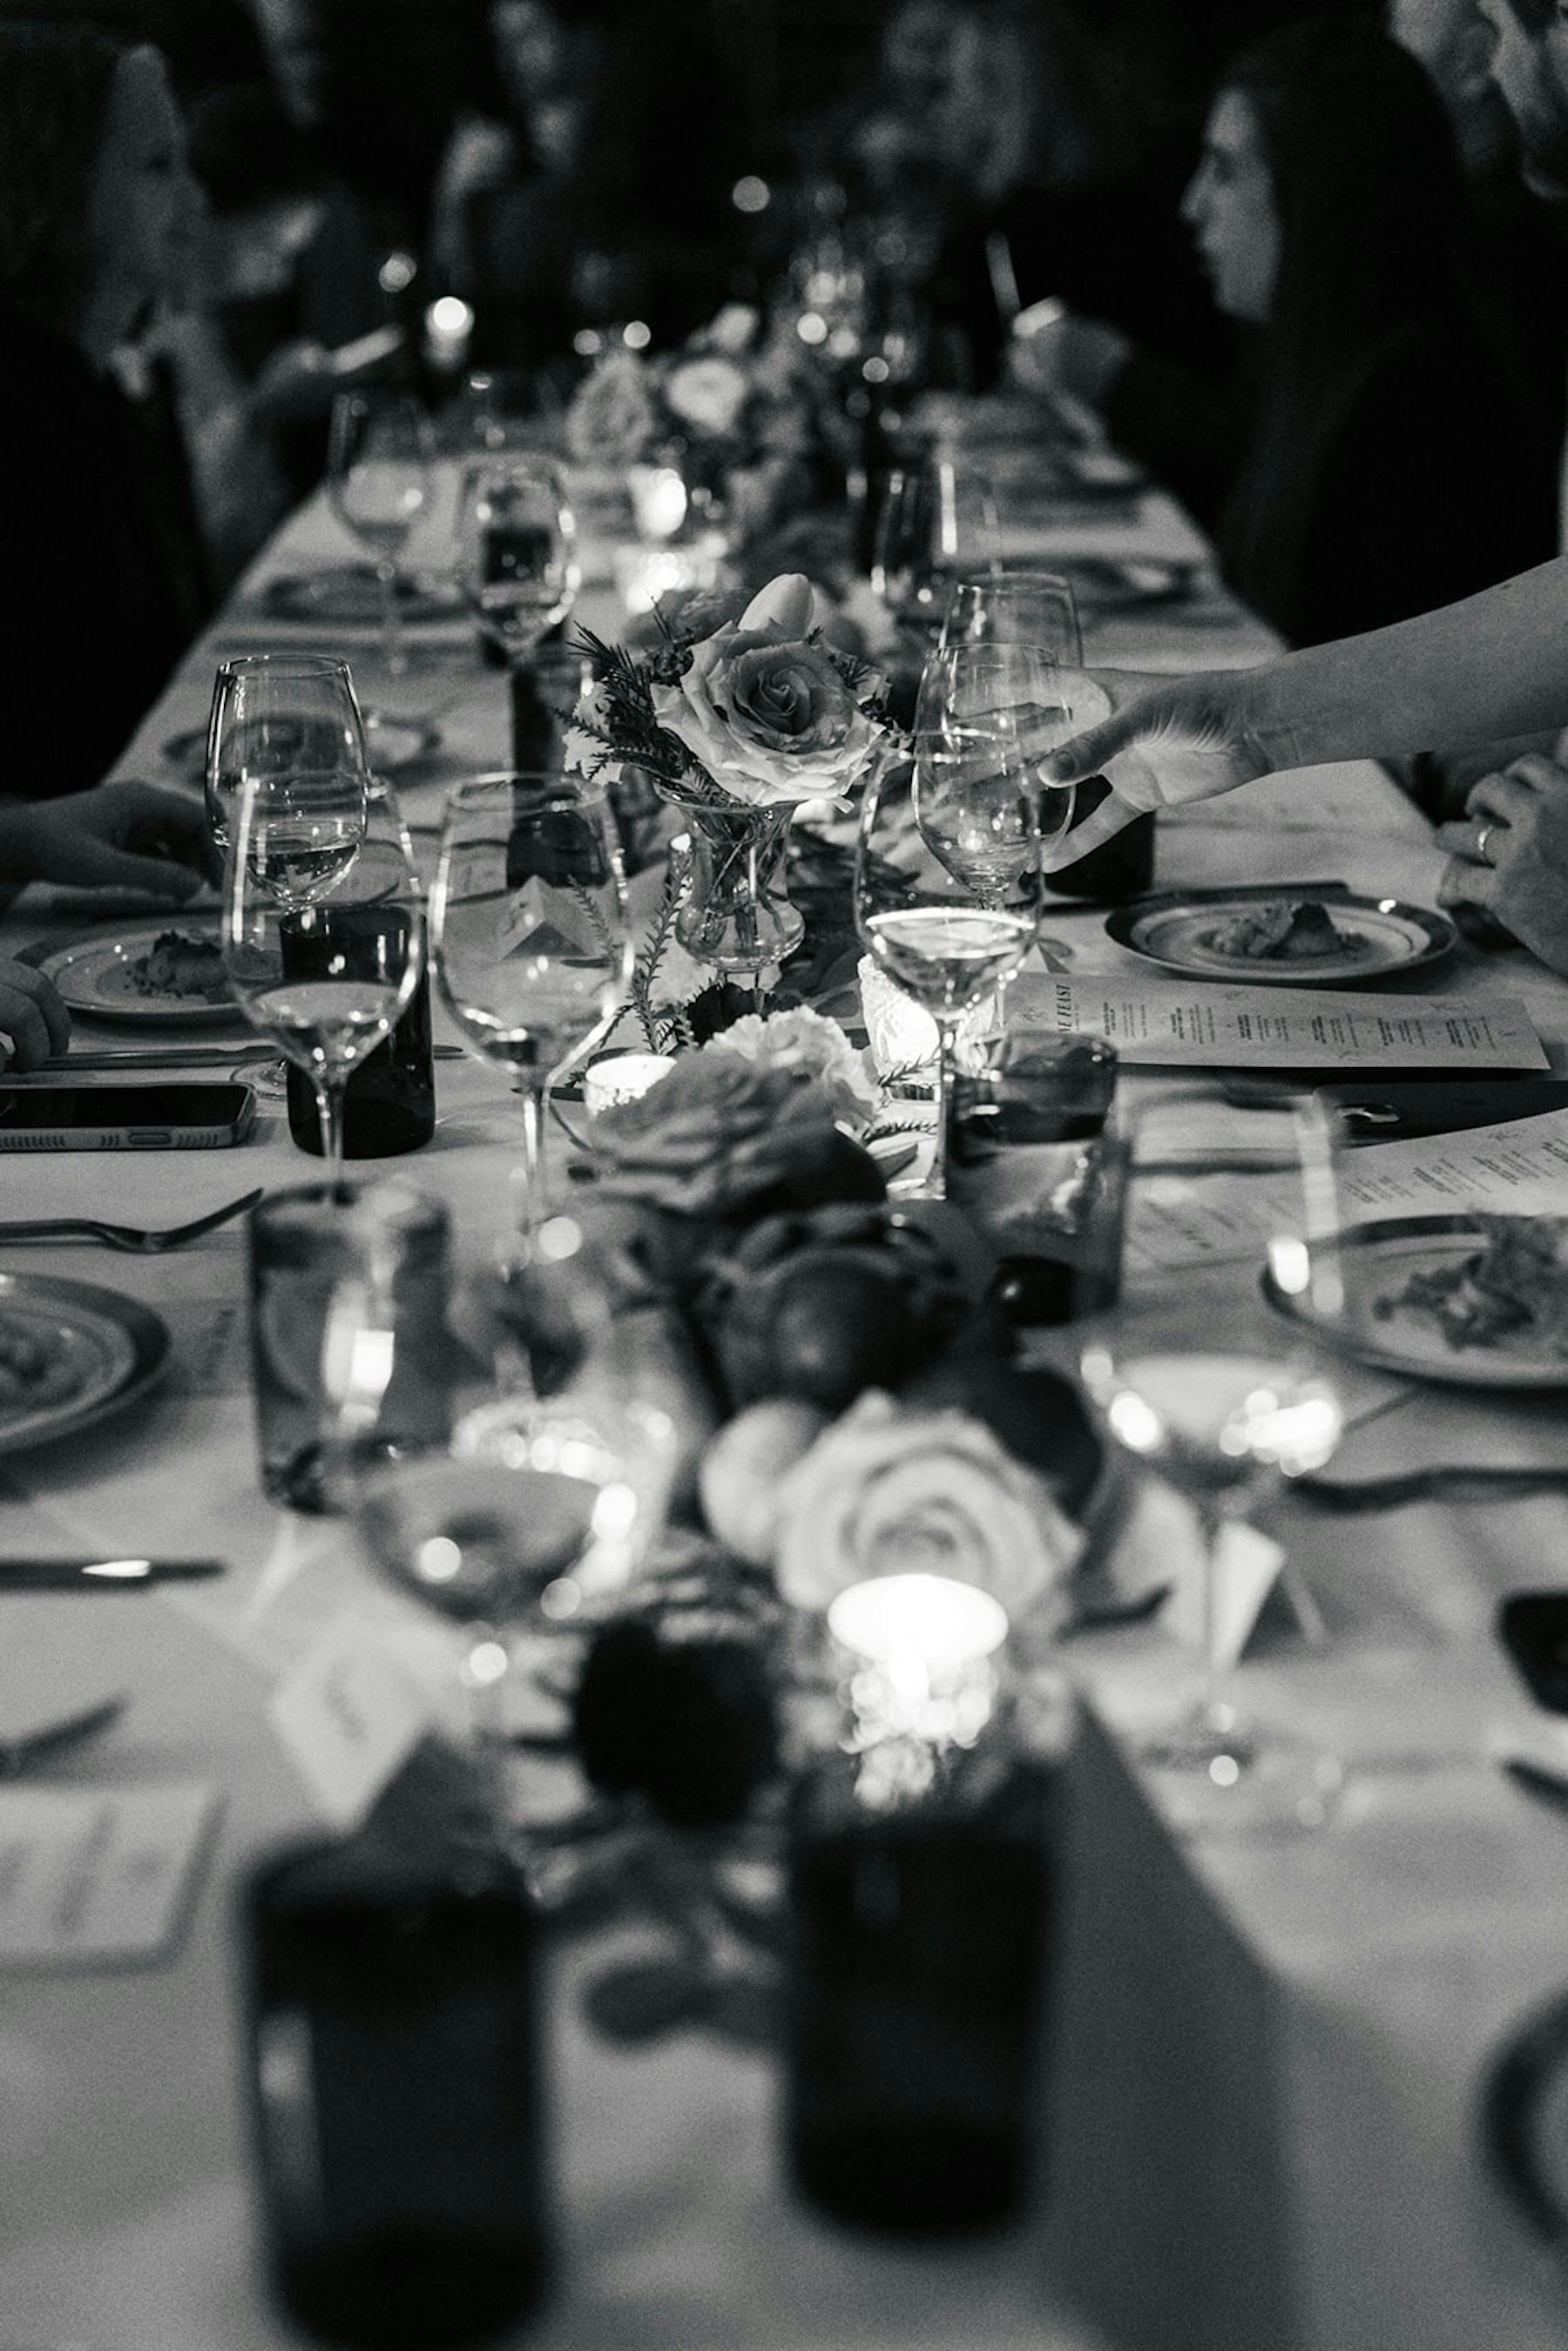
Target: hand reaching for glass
(1161, 742)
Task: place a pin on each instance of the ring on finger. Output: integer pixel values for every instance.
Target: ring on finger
(1482, 837)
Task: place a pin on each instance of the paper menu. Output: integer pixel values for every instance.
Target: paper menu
(1202, 1024)
(1518, 1167)
(98, 1875)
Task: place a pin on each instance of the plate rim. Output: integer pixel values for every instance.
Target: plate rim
(156, 1012)
(151, 1346)
(1441, 1371)
(1442, 935)
(286, 597)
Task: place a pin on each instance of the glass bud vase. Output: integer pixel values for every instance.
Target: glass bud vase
(729, 868)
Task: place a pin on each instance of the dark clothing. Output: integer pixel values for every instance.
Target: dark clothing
(102, 546)
(1422, 479)
(1190, 429)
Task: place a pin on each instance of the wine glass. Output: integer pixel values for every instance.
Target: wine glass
(1192, 1374)
(928, 929)
(1001, 607)
(530, 937)
(326, 1000)
(380, 450)
(275, 715)
(986, 717)
(516, 549)
(935, 519)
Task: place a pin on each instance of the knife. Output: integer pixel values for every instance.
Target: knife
(1537, 1780)
(101, 1574)
(1063, 901)
(150, 1056)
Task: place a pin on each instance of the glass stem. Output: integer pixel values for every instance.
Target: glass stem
(1210, 1528)
(391, 628)
(530, 1193)
(945, 1035)
(329, 1117)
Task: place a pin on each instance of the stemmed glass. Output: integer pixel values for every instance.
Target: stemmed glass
(530, 940)
(986, 717)
(936, 518)
(1193, 1375)
(516, 549)
(275, 715)
(378, 479)
(1015, 608)
(327, 998)
(945, 939)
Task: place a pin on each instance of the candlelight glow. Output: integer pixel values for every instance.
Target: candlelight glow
(925, 1622)
(622, 1078)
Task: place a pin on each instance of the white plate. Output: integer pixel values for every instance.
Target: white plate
(93, 975)
(113, 1347)
(1378, 1260)
(349, 595)
(1382, 936)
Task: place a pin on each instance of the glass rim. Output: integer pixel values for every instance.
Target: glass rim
(559, 793)
(308, 665)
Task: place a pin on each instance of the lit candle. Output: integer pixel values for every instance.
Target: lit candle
(658, 500)
(448, 330)
(621, 1078)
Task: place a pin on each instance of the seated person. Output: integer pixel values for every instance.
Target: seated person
(1507, 858)
(1377, 451)
(102, 543)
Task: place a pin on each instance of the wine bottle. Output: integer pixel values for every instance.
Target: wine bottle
(389, 1105)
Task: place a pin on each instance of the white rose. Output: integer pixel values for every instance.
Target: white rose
(890, 1492)
(708, 392)
(801, 1038)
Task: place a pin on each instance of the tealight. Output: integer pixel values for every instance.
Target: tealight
(901, 1034)
(618, 1078)
(930, 1621)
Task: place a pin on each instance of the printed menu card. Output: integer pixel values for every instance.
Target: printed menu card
(1214, 1024)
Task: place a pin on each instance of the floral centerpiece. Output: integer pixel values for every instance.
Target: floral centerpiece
(729, 418)
(740, 716)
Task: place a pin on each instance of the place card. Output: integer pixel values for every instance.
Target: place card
(1246, 1569)
(350, 1714)
(1178, 1024)
(99, 1876)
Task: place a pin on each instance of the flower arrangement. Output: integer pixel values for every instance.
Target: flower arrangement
(752, 708)
(736, 396)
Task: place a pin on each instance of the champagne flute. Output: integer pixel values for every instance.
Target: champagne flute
(986, 718)
(274, 715)
(929, 930)
(290, 869)
(516, 550)
(530, 940)
(1192, 1376)
(379, 456)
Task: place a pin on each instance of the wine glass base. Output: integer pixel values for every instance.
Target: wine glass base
(1212, 1770)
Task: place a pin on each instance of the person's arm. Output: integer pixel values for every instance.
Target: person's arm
(1494, 665)
(33, 1019)
(123, 835)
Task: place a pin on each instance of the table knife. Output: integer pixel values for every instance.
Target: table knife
(1537, 1780)
(1062, 901)
(150, 1056)
(99, 1572)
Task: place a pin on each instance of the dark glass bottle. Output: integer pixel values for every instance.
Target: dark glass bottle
(916, 1993)
(389, 1105)
(393, 2047)
(1123, 867)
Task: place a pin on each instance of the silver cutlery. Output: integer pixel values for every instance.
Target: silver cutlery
(150, 1057)
(18, 1755)
(1453, 1482)
(135, 1238)
(100, 1573)
(1550, 1787)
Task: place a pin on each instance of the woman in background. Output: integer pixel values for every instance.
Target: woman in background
(1377, 451)
(102, 542)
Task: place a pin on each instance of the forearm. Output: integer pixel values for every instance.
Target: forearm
(1494, 665)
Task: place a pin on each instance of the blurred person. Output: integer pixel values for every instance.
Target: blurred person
(1382, 451)
(1530, 67)
(103, 542)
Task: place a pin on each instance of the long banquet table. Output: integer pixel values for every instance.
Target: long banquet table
(1266, 2054)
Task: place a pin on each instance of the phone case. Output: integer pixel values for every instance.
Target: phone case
(124, 1136)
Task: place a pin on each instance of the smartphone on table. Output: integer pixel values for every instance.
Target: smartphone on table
(188, 1117)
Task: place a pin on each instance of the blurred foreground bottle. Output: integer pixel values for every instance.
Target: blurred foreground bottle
(921, 1873)
(393, 2035)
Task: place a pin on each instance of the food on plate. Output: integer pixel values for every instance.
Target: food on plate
(1280, 930)
(1512, 1292)
(181, 962)
(37, 1367)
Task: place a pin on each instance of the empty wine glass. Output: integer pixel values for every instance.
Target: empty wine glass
(378, 479)
(529, 938)
(936, 518)
(1226, 1403)
(290, 868)
(1003, 606)
(930, 930)
(986, 718)
(516, 549)
(275, 715)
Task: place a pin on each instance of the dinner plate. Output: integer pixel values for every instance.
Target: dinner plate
(106, 1349)
(1382, 936)
(94, 975)
(1108, 584)
(1378, 1261)
(350, 595)
(391, 744)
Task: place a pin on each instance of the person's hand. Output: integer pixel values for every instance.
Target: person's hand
(1055, 354)
(124, 835)
(32, 1016)
(1509, 857)
(1166, 741)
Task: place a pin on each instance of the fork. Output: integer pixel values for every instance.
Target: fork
(135, 1238)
